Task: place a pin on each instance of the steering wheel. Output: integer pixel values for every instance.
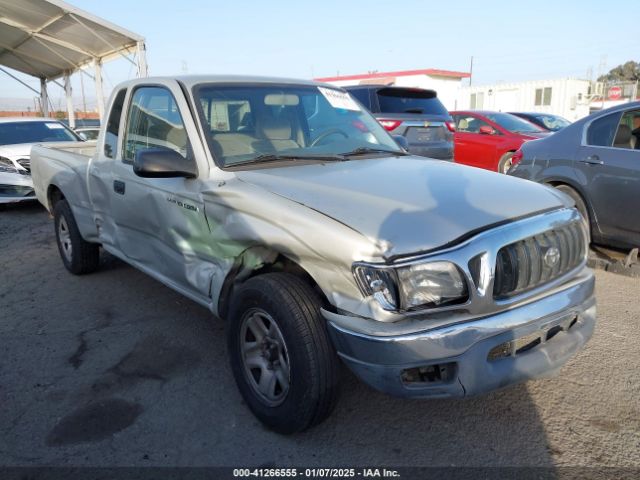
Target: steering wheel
(326, 133)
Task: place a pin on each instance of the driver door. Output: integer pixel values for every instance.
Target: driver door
(610, 165)
(472, 147)
(160, 222)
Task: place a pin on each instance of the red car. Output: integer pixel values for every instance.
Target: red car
(489, 139)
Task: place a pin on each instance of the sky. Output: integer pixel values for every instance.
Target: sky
(509, 40)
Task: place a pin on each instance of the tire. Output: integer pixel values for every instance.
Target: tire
(78, 256)
(299, 346)
(505, 162)
(580, 205)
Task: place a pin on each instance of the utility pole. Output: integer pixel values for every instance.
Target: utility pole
(471, 71)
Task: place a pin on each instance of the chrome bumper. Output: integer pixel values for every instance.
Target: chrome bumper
(389, 363)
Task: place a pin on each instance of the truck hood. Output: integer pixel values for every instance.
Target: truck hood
(407, 204)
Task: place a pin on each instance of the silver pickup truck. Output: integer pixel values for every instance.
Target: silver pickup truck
(287, 210)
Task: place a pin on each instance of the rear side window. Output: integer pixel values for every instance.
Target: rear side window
(602, 130)
(362, 95)
(409, 100)
(154, 122)
(113, 125)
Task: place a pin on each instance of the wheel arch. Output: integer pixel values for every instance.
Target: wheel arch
(258, 260)
(593, 219)
(54, 195)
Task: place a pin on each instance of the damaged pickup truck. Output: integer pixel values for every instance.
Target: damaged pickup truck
(287, 210)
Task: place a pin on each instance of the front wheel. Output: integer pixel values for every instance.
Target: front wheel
(78, 255)
(281, 355)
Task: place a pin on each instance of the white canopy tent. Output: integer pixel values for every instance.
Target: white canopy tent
(50, 39)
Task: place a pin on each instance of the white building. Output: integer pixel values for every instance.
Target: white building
(446, 83)
(567, 97)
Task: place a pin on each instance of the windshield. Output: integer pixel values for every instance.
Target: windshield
(553, 122)
(410, 100)
(253, 123)
(512, 123)
(12, 133)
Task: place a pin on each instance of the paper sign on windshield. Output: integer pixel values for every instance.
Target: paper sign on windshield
(339, 99)
(53, 126)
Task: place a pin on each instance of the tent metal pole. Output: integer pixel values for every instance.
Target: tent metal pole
(97, 63)
(143, 70)
(44, 98)
(68, 93)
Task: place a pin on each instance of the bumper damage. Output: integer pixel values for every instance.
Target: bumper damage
(16, 187)
(474, 357)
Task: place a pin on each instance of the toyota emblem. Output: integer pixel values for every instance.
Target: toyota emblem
(551, 257)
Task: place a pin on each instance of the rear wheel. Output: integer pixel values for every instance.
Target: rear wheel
(580, 205)
(281, 355)
(78, 255)
(505, 162)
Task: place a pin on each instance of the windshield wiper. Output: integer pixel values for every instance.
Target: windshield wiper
(365, 150)
(270, 157)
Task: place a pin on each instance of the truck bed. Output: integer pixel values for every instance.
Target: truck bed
(63, 165)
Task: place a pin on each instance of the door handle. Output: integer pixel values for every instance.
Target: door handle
(118, 187)
(592, 160)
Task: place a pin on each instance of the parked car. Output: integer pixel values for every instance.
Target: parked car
(83, 122)
(17, 135)
(286, 209)
(88, 133)
(489, 139)
(414, 113)
(596, 162)
(546, 121)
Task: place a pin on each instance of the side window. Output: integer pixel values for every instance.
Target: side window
(628, 131)
(113, 125)
(154, 121)
(469, 124)
(362, 95)
(602, 131)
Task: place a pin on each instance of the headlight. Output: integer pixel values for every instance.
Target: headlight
(7, 166)
(421, 285)
(432, 284)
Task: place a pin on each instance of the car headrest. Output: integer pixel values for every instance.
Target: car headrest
(623, 135)
(276, 128)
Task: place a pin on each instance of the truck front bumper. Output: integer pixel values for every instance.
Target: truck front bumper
(477, 356)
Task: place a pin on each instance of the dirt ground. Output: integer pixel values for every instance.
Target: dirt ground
(115, 369)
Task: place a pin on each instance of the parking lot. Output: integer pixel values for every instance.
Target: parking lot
(115, 369)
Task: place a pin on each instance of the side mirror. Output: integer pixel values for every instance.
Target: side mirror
(487, 130)
(83, 136)
(402, 141)
(162, 163)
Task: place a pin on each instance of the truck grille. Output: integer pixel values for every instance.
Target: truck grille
(539, 259)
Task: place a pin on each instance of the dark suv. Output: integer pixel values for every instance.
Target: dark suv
(415, 113)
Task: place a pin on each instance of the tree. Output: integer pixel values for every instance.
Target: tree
(627, 72)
